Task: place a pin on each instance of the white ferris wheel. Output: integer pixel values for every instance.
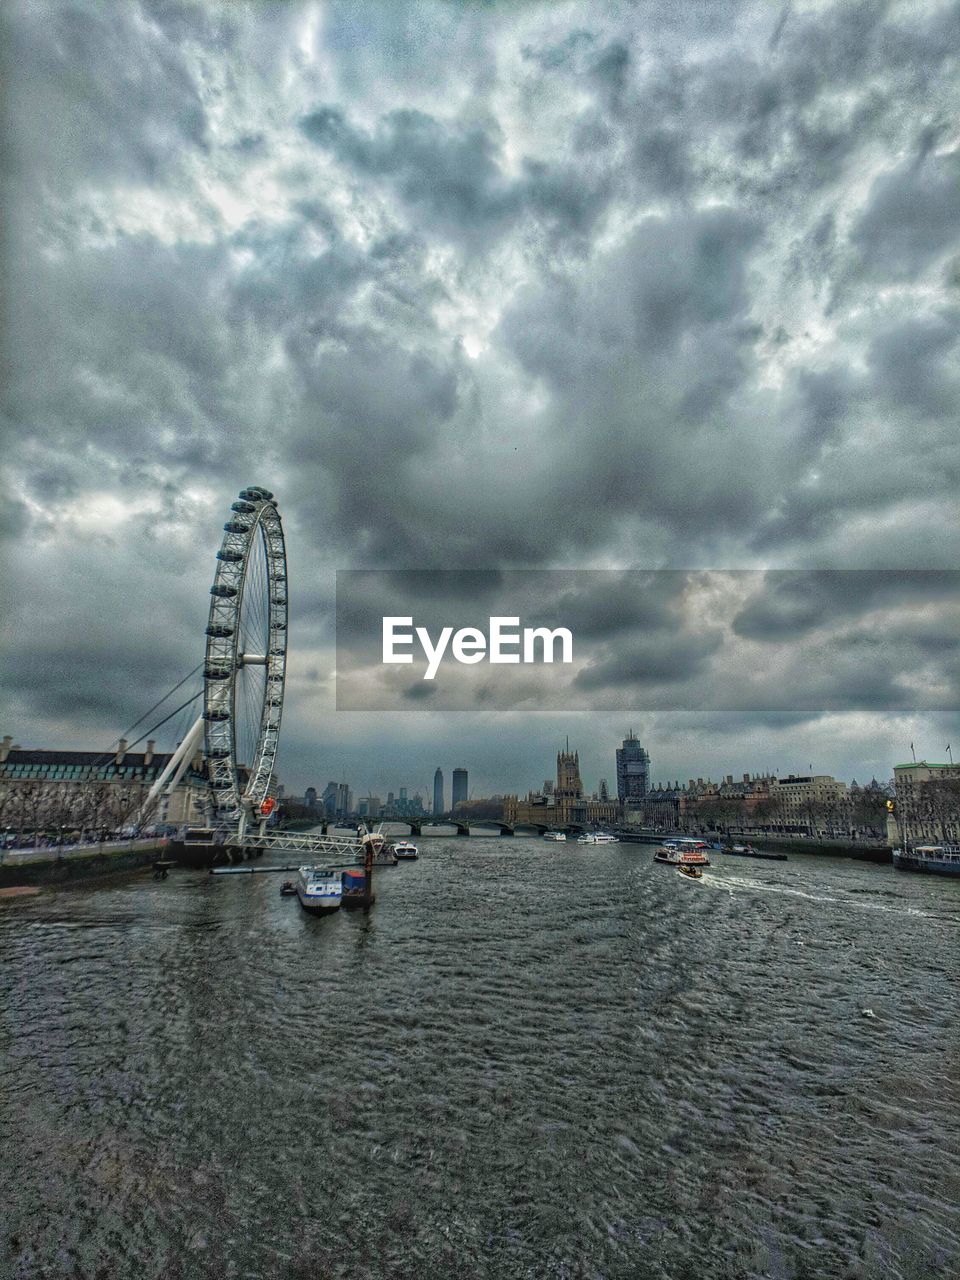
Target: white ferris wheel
(244, 666)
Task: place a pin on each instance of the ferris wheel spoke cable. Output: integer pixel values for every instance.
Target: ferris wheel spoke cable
(160, 723)
(105, 756)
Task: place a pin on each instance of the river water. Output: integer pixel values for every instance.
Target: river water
(527, 1060)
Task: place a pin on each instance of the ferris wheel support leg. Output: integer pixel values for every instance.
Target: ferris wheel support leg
(242, 825)
(177, 765)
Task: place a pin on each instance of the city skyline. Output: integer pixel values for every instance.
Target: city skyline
(689, 770)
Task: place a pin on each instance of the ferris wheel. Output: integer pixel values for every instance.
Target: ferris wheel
(246, 658)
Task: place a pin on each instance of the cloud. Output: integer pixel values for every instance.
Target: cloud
(910, 216)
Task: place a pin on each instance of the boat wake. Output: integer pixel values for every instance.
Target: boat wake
(731, 883)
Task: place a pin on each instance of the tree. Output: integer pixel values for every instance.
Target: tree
(868, 810)
(938, 808)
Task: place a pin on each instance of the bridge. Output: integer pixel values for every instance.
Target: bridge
(440, 826)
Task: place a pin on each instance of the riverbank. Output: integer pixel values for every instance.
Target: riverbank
(80, 864)
(862, 850)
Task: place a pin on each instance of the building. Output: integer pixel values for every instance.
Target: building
(633, 771)
(438, 791)
(816, 803)
(344, 800)
(369, 807)
(459, 793)
(927, 804)
(310, 797)
(562, 803)
(95, 790)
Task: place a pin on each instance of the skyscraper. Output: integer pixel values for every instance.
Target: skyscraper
(459, 787)
(438, 791)
(633, 770)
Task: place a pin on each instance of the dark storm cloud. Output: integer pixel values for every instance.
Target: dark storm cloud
(788, 605)
(107, 97)
(911, 216)
(661, 661)
(452, 174)
(914, 363)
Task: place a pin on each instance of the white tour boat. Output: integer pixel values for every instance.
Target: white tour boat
(559, 836)
(683, 852)
(404, 849)
(319, 889)
(597, 837)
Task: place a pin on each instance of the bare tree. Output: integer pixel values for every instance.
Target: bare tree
(938, 808)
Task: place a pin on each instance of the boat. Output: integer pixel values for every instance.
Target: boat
(319, 889)
(404, 849)
(748, 851)
(383, 855)
(935, 859)
(689, 873)
(354, 884)
(684, 851)
(559, 836)
(288, 889)
(597, 837)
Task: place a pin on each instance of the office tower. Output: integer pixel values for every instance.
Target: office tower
(438, 791)
(459, 787)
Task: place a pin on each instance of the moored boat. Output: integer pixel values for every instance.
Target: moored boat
(748, 851)
(934, 859)
(683, 852)
(404, 849)
(354, 885)
(319, 889)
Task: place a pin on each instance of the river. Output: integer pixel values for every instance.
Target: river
(527, 1060)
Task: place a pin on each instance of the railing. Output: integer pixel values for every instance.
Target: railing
(301, 841)
(297, 841)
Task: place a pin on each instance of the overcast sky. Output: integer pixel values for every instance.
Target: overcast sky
(586, 285)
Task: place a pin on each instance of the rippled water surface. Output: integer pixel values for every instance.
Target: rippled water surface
(526, 1060)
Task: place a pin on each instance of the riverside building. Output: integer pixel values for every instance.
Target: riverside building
(95, 789)
(562, 803)
(633, 771)
(927, 803)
